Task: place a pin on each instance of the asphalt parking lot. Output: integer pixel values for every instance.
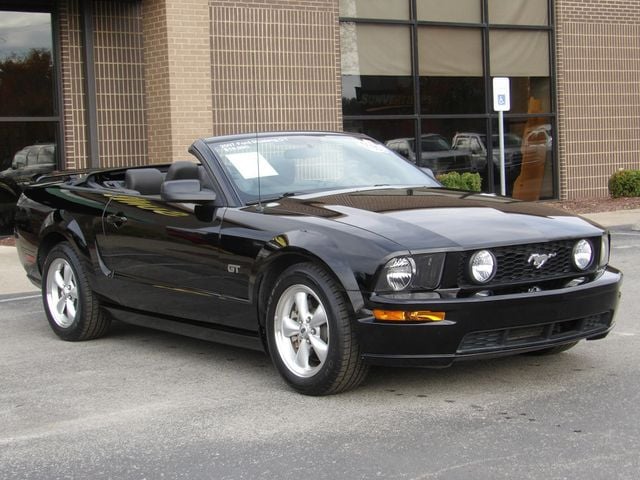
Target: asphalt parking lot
(141, 404)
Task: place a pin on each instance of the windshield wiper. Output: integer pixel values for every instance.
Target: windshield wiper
(273, 199)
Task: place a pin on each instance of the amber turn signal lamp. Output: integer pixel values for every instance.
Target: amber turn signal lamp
(402, 316)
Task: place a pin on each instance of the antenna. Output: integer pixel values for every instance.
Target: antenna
(255, 121)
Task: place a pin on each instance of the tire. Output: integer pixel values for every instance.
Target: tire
(72, 309)
(316, 352)
(554, 350)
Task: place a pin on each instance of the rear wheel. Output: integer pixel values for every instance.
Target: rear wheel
(310, 333)
(72, 309)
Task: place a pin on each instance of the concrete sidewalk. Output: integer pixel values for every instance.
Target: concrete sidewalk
(13, 279)
(619, 218)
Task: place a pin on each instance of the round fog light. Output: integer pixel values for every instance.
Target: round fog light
(482, 266)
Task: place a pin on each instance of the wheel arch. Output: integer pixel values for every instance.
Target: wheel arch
(299, 247)
(58, 228)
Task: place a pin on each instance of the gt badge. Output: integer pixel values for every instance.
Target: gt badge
(539, 259)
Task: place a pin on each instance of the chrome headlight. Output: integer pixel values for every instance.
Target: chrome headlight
(482, 266)
(605, 250)
(398, 273)
(418, 273)
(582, 254)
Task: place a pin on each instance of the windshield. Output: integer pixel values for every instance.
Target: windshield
(296, 164)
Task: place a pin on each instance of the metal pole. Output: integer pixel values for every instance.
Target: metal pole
(503, 189)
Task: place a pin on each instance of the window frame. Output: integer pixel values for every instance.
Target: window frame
(58, 102)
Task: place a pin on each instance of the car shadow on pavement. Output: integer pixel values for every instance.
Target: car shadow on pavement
(510, 373)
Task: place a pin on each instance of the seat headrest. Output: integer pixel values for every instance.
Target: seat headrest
(183, 170)
(147, 181)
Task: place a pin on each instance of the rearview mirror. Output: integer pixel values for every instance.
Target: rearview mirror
(185, 191)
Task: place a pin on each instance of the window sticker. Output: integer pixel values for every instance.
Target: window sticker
(251, 165)
(374, 147)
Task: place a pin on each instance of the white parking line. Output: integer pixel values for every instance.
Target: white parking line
(15, 299)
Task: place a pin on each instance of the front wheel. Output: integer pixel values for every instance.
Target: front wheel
(310, 333)
(72, 309)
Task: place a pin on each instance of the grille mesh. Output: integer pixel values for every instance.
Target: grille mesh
(514, 265)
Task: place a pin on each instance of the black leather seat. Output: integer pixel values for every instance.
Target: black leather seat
(146, 181)
(186, 170)
(183, 170)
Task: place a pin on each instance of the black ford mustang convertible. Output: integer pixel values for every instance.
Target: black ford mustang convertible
(326, 250)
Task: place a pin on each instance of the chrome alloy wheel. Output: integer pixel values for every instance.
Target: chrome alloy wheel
(62, 293)
(301, 330)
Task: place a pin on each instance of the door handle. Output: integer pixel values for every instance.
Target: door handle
(116, 220)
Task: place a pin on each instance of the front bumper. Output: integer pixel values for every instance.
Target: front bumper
(491, 326)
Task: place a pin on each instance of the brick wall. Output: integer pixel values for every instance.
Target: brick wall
(119, 71)
(73, 108)
(178, 76)
(120, 84)
(275, 66)
(598, 78)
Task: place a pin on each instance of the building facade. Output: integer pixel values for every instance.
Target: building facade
(88, 83)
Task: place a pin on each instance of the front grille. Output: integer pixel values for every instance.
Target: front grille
(514, 265)
(494, 340)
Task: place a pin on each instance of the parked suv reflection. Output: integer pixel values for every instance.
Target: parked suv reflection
(27, 164)
(436, 154)
(476, 146)
(31, 161)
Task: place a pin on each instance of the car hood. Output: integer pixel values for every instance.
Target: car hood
(425, 218)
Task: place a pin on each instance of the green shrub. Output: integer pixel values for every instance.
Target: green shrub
(467, 181)
(625, 183)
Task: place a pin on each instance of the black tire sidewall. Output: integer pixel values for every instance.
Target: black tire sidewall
(321, 381)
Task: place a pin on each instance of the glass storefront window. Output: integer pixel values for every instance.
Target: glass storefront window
(519, 53)
(523, 56)
(528, 158)
(451, 72)
(382, 130)
(387, 9)
(26, 148)
(518, 12)
(376, 69)
(389, 67)
(466, 146)
(463, 11)
(26, 90)
(26, 64)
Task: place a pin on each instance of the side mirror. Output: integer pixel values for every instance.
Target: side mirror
(185, 191)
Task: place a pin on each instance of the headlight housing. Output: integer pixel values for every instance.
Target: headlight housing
(406, 273)
(482, 266)
(605, 249)
(582, 254)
